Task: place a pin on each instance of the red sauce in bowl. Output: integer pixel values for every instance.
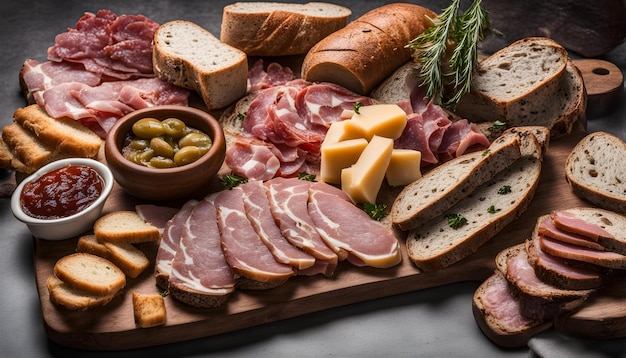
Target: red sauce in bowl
(61, 192)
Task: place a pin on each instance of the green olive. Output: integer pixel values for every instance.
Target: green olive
(148, 128)
(142, 156)
(196, 139)
(174, 127)
(161, 162)
(186, 155)
(161, 147)
(139, 144)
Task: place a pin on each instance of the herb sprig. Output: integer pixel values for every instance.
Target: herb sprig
(441, 71)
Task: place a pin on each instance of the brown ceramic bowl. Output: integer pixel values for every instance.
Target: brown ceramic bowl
(165, 184)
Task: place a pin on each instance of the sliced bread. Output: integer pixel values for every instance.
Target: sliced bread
(124, 255)
(530, 82)
(442, 187)
(26, 147)
(149, 309)
(471, 222)
(125, 226)
(280, 29)
(189, 56)
(90, 273)
(72, 298)
(497, 313)
(596, 171)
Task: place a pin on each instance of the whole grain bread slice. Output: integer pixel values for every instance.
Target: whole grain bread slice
(442, 187)
(596, 171)
(125, 226)
(279, 29)
(90, 273)
(189, 56)
(446, 239)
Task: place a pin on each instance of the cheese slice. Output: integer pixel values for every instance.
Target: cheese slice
(340, 131)
(338, 156)
(362, 181)
(385, 120)
(404, 167)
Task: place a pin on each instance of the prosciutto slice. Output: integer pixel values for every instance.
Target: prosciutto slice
(606, 259)
(288, 199)
(346, 228)
(199, 265)
(547, 228)
(569, 222)
(245, 252)
(170, 241)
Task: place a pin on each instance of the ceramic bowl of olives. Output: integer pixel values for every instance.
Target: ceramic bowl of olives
(165, 153)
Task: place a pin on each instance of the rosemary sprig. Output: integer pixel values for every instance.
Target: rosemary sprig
(447, 79)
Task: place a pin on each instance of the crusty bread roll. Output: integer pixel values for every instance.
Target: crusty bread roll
(189, 56)
(280, 29)
(369, 49)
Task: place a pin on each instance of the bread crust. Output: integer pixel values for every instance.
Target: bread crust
(90, 273)
(369, 49)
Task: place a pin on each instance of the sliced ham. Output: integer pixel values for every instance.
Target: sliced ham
(288, 199)
(200, 274)
(500, 303)
(547, 228)
(256, 205)
(244, 250)
(564, 250)
(250, 159)
(156, 215)
(347, 229)
(170, 241)
(275, 75)
(569, 222)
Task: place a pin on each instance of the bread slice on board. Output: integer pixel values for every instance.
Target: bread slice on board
(90, 273)
(487, 210)
(189, 56)
(148, 309)
(124, 255)
(596, 170)
(530, 82)
(125, 226)
(280, 29)
(442, 187)
(74, 299)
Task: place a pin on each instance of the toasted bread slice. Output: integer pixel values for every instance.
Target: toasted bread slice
(124, 255)
(125, 226)
(72, 298)
(90, 273)
(149, 309)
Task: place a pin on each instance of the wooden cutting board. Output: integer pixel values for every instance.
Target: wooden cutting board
(113, 328)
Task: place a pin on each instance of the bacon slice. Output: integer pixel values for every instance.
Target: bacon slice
(256, 206)
(549, 229)
(569, 222)
(346, 228)
(288, 203)
(244, 250)
(200, 273)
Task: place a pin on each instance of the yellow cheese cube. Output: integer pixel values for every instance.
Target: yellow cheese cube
(338, 156)
(404, 167)
(385, 120)
(362, 180)
(340, 131)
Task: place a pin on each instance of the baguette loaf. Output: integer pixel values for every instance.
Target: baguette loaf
(596, 171)
(125, 226)
(90, 273)
(369, 49)
(488, 209)
(530, 82)
(279, 29)
(189, 56)
(442, 187)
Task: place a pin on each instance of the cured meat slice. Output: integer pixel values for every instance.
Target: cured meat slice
(201, 276)
(547, 228)
(288, 203)
(156, 215)
(274, 75)
(350, 232)
(606, 259)
(170, 240)
(252, 160)
(256, 206)
(243, 249)
(569, 222)
(322, 104)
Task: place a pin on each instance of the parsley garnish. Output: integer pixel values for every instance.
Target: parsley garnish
(496, 125)
(241, 116)
(487, 151)
(306, 176)
(492, 209)
(375, 211)
(357, 106)
(230, 181)
(455, 221)
(505, 189)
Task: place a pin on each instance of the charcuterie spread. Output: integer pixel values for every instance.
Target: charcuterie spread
(343, 178)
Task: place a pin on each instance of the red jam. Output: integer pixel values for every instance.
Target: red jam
(61, 192)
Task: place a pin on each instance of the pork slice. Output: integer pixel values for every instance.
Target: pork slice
(549, 229)
(607, 259)
(288, 199)
(157, 215)
(200, 274)
(170, 240)
(252, 159)
(244, 250)
(346, 228)
(257, 210)
(569, 222)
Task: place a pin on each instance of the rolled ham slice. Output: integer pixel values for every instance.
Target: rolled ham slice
(346, 228)
(244, 250)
